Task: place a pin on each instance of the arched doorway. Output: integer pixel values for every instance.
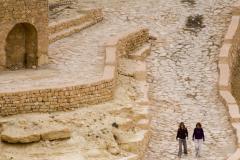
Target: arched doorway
(21, 47)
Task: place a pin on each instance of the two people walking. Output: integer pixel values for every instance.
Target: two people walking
(197, 137)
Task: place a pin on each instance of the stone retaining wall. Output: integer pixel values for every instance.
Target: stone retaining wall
(70, 97)
(59, 3)
(229, 67)
(93, 14)
(67, 27)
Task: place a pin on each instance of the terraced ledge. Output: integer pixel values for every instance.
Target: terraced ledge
(228, 58)
(139, 119)
(67, 27)
(72, 96)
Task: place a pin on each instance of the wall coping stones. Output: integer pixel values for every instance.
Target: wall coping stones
(232, 29)
(225, 67)
(224, 51)
(66, 27)
(236, 8)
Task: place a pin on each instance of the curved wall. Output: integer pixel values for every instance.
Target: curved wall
(70, 97)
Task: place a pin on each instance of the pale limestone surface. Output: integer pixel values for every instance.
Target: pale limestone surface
(183, 72)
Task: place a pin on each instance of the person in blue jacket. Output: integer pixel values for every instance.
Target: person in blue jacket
(198, 138)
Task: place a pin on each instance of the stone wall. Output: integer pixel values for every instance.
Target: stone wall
(67, 27)
(58, 3)
(129, 41)
(34, 12)
(229, 74)
(70, 97)
(56, 99)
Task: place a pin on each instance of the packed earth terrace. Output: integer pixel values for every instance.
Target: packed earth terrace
(112, 79)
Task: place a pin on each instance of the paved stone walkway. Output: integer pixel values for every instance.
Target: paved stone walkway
(182, 67)
(182, 70)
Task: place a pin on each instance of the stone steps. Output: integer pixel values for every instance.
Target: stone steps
(136, 143)
(140, 73)
(141, 53)
(143, 88)
(69, 31)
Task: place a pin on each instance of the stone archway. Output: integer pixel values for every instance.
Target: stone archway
(21, 47)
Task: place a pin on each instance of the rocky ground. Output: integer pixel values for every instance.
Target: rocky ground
(182, 68)
(88, 133)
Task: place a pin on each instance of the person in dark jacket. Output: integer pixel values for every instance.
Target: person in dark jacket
(198, 138)
(182, 135)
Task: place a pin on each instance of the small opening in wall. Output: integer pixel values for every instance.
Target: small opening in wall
(21, 47)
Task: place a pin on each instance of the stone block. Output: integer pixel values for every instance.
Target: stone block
(111, 56)
(136, 143)
(109, 72)
(56, 133)
(224, 77)
(12, 135)
(232, 30)
(112, 42)
(141, 53)
(227, 98)
(224, 53)
(236, 8)
(234, 112)
(141, 73)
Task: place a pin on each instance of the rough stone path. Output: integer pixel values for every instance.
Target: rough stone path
(182, 68)
(182, 71)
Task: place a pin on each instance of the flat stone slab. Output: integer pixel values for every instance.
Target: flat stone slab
(11, 135)
(15, 134)
(55, 134)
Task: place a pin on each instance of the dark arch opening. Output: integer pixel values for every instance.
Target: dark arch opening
(21, 47)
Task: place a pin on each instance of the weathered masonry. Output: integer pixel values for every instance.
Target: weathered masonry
(23, 33)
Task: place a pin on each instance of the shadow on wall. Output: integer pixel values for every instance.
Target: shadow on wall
(235, 78)
(21, 47)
